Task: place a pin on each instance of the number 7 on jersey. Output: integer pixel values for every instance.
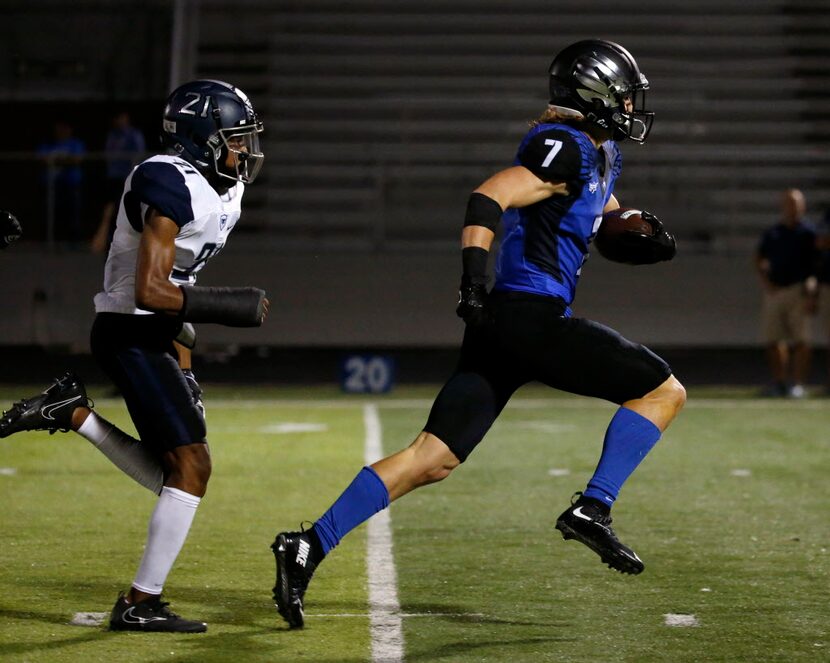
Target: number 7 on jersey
(556, 145)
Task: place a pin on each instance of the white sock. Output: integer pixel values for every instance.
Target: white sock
(126, 453)
(168, 529)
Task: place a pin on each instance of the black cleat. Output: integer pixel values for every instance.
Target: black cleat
(52, 410)
(590, 525)
(150, 616)
(295, 566)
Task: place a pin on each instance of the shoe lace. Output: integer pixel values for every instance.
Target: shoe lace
(597, 515)
(163, 609)
(69, 377)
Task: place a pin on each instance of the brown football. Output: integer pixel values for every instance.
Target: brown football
(613, 225)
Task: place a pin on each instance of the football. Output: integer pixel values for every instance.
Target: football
(613, 225)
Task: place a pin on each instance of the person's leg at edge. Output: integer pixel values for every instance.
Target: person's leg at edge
(633, 431)
(778, 358)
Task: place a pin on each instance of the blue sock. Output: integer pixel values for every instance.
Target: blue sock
(630, 436)
(364, 497)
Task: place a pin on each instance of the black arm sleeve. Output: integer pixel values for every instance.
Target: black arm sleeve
(482, 211)
(234, 307)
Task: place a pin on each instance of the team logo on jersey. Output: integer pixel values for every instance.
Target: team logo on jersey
(222, 221)
(592, 186)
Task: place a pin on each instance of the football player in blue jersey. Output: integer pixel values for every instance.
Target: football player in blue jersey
(551, 202)
(176, 213)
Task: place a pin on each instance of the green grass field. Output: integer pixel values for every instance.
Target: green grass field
(730, 513)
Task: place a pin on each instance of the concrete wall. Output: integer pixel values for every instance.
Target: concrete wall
(390, 299)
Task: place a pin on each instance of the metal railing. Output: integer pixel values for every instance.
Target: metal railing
(399, 199)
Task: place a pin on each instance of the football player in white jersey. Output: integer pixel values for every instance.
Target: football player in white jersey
(176, 213)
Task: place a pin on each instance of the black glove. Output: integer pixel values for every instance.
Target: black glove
(641, 249)
(472, 303)
(195, 389)
(10, 230)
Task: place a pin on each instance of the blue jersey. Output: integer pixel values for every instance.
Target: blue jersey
(545, 244)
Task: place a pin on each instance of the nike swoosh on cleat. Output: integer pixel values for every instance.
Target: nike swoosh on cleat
(578, 513)
(47, 411)
(130, 618)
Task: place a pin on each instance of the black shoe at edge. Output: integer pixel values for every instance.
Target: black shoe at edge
(51, 410)
(295, 566)
(588, 524)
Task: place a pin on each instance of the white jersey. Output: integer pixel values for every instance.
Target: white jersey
(178, 191)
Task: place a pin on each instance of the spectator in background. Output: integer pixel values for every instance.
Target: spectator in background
(823, 276)
(62, 156)
(124, 148)
(786, 264)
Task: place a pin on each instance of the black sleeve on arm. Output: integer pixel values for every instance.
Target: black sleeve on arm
(483, 211)
(474, 265)
(553, 156)
(234, 307)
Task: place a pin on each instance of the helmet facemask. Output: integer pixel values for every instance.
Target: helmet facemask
(243, 143)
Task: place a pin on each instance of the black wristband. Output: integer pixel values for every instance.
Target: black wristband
(483, 211)
(234, 307)
(474, 265)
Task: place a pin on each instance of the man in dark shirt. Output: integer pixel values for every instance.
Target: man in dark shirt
(786, 261)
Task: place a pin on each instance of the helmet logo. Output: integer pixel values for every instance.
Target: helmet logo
(169, 126)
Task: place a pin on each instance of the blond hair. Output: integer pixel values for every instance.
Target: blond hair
(557, 114)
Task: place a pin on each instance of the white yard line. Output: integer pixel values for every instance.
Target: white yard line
(385, 622)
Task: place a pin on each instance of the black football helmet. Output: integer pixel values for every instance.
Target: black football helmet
(593, 79)
(205, 120)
